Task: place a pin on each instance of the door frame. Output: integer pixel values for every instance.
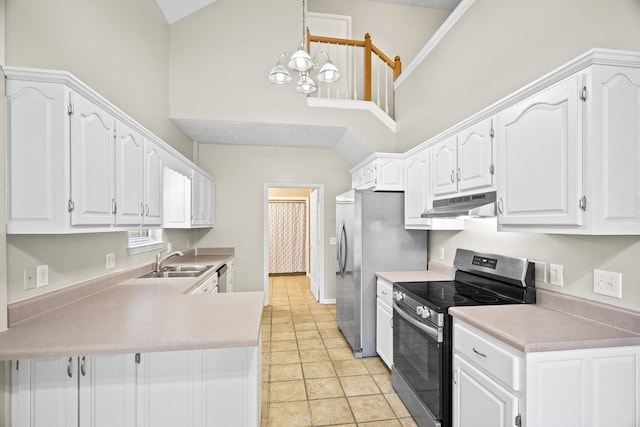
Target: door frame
(265, 237)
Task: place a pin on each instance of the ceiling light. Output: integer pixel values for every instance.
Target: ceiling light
(302, 62)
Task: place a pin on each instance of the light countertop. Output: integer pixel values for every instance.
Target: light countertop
(534, 328)
(140, 315)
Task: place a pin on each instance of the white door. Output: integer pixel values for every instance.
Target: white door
(339, 26)
(314, 244)
(92, 164)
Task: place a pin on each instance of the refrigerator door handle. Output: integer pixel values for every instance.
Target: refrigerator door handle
(343, 249)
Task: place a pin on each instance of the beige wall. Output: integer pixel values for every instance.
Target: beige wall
(241, 173)
(117, 47)
(496, 48)
(120, 49)
(499, 46)
(220, 60)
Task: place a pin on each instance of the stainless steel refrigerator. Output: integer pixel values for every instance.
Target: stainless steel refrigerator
(370, 237)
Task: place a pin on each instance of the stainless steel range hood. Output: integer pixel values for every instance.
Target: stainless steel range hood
(482, 204)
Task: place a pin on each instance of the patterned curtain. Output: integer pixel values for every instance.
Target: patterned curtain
(287, 237)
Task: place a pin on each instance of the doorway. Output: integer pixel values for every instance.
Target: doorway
(295, 197)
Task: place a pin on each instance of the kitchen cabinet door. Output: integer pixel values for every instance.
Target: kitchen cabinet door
(107, 390)
(416, 193)
(384, 321)
(152, 200)
(92, 164)
(475, 157)
(232, 384)
(540, 148)
(170, 389)
(37, 160)
(44, 393)
(443, 166)
(613, 135)
(129, 176)
(478, 401)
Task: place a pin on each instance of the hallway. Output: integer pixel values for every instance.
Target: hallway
(309, 374)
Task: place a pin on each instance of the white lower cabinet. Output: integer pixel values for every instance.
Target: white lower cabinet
(86, 391)
(479, 400)
(496, 385)
(384, 322)
(199, 388)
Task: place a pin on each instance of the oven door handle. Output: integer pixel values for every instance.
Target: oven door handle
(433, 332)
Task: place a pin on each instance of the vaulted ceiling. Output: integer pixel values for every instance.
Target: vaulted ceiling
(175, 10)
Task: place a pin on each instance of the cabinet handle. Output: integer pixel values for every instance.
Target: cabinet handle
(500, 205)
(142, 209)
(478, 353)
(453, 176)
(69, 370)
(458, 174)
(82, 370)
(147, 214)
(391, 322)
(383, 292)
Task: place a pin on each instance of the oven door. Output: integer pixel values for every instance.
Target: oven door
(419, 367)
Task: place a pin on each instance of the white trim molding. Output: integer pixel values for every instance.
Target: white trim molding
(448, 23)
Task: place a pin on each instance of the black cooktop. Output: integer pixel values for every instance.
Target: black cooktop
(440, 295)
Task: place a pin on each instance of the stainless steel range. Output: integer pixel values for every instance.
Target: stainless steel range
(422, 327)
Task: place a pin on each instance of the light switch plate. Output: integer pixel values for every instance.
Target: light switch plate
(42, 275)
(607, 283)
(110, 260)
(556, 274)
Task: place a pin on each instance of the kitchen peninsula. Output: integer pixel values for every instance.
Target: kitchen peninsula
(140, 349)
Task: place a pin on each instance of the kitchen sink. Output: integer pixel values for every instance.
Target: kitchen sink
(177, 271)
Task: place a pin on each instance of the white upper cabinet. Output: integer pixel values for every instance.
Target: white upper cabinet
(443, 165)
(129, 153)
(37, 160)
(76, 163)
(540, 158)
(569, 155)
(417, 198)
(463, 163)
(475, 165)
(380, 171)
(613, 148)
(152, 195)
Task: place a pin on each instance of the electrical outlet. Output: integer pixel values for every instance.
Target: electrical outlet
(540, 271)
(607, 283)
(332, 241)
(29, 278)
(169, 247)
(42, 275)
(110, 261)
(440, 253)
(556, 275)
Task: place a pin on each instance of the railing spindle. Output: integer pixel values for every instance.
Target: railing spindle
(347, 50)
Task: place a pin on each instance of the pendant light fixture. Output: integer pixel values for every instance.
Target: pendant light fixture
(302, 62)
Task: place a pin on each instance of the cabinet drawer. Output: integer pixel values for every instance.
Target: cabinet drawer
(493, 358)
(385, 292)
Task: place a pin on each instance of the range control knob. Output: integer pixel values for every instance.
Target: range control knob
(423, 311)
(399, 296)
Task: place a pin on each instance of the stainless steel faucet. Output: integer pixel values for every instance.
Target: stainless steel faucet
(160, 260)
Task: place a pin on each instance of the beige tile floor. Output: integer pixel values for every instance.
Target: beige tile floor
(309, 374)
